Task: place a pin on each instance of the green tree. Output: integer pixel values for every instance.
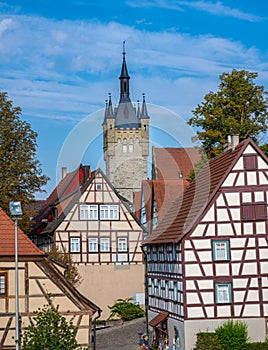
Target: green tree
(238, 107)
(72, 274)
(20, 171)
(50, 331)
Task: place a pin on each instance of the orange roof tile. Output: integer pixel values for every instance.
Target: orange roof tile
(187, 208)
(7, 237)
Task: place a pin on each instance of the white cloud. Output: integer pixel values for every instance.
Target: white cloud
(215, 8)
(67, 68)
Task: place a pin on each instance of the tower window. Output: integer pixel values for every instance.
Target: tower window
(131, 148)
(144, 127)
(124, 148)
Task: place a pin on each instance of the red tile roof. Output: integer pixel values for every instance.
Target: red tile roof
(61, 196)
(169, 162)
(7, 237)
(190, 205)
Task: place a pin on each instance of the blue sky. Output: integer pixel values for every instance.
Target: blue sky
(60, 59)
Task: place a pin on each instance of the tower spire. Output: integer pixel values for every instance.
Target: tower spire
(124, 79)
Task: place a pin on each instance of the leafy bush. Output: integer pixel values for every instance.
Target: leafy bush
(232, 335)
(50, 331)
(207, 341)
(126, 310)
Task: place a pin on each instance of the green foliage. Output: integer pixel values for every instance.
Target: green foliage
(20, 171)
(207, 341)
(72, 274)
(264, 148)
(50, 331)
(125, 309)
(232, 335)
(239, 107)
(198, 166)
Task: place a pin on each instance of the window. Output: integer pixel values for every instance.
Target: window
(253, 211)
(93, 244)
(3, 283)
(175, 291)
(88, 212)
(98, 187)
(221, 250)
(75, 245)
(109, 212)
(124, 148)
(152, 286)
(166, 289)
(131, 148)
(223, 293)
(105, 244)
(250, 162)
(159, 287)
(122, 244)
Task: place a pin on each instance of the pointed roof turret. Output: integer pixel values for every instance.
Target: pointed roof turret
(125, 114)
(110, 113)
(124, 79)
(144, 113)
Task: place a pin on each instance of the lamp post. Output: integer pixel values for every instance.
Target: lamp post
(16, 212)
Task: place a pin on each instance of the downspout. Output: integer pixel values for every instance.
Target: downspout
(146, 287)
(94, 329)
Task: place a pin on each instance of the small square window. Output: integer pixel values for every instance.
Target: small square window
(223, 293)
(75, 245)
(99, 187)
(221, 250)
(93, 244)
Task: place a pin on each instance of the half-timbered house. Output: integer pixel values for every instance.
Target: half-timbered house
(207, 260)
(41, 282)
(95, 225)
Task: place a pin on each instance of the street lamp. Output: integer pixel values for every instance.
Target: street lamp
(16, 212)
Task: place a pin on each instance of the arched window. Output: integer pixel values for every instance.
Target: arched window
(125, 146)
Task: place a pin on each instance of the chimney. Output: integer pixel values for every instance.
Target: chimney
(232, 142)
(87, 172)
(235, 141)
(63, 172)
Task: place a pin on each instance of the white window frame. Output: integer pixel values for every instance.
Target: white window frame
(122, 244)
(75, 245)
(88, 212)
(93, 245)
(104, 244)
(221, 250)
(98, 187)
(109, 212)
(124, 148)
(3, 283)
(223, 292)
(131, 148)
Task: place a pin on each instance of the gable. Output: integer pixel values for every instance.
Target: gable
(99, 192)
(251, 169)
(240, 201)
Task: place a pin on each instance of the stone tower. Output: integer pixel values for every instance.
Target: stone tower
(126, 139)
